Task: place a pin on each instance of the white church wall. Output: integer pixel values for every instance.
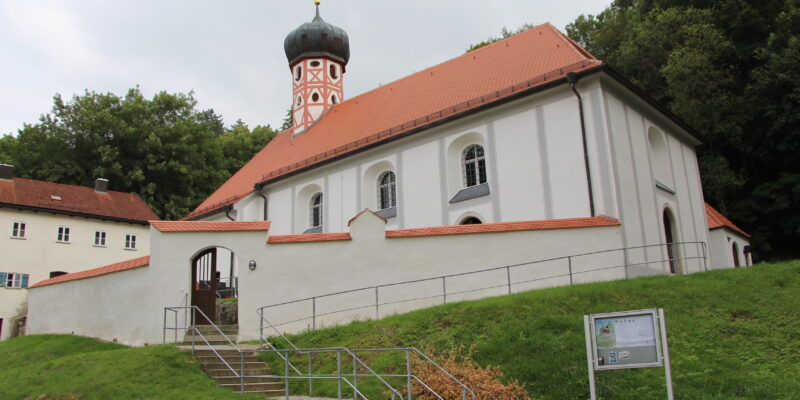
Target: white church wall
(532, 148)
(648, 182)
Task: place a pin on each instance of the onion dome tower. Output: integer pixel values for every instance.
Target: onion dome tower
(317, 53)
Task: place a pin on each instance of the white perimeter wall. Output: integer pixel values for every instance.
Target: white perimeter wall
(721, 242)
(130, 305)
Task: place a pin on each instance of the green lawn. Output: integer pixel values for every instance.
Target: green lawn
(733, 334)
(70, 367)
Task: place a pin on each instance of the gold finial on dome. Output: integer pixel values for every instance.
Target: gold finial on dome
(316, 2)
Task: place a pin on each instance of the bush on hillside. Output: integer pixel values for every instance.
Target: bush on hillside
(485, 382)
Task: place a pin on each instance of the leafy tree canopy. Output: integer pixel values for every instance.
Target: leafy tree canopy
(165, 149)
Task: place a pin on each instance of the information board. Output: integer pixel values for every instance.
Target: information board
(626, 340)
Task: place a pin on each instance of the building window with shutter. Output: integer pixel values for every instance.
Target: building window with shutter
(63, 234)
(100, 239)
(130, 242)
(18, 230)
(315, 217)
(13, 280)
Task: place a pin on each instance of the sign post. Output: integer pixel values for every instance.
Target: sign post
(628, 339)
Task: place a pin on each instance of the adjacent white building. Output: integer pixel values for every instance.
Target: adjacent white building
(50, 229)
(525, 150)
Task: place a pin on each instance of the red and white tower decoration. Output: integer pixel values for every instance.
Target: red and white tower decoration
(317, 53)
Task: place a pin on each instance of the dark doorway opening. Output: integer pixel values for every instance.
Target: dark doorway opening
(735, 249)
(670, 238)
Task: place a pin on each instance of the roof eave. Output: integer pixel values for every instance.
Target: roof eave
(74, 214)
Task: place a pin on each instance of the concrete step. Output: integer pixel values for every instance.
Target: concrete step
(216, 364)
(226, 329)
(224, 380)
(249, 387)
(223, 352)
(249, 370)
(210, 339)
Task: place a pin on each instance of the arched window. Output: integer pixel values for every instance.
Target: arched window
(298, 73)
(334, 72)
(735, 249)
(387, 191)
(315, 219)
(474, 165)
(471, 221)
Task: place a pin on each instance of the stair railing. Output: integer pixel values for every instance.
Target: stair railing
(409, 376)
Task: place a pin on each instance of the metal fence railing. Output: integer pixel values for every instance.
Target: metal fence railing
(566, 270)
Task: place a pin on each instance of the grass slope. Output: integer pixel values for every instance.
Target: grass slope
(733, 334)
(71, 367)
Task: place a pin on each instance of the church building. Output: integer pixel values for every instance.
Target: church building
(528, 159)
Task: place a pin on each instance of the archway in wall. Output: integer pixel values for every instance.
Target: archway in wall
(669, 235)
(214, 281)
(735, 249)
(470, 221)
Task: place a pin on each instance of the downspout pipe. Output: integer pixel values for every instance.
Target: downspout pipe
(228, 210)
(258, 191)
(572, 79)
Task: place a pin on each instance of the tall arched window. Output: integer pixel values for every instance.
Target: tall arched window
(735, 250)
(316, 210)
(669, 235)
(474, 165)
(387, 191)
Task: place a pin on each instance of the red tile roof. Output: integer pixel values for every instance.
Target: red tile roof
(90, 273)
(309, 237)
(566, 223)
(717, 220)
(471, 81)
(210, 226)
(56, 197)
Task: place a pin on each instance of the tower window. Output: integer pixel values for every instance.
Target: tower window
(299, 100)
(315, 219)
(387, 191)
(334, 72)
(334, 99)
(314, 64)
(474, 166)
(298, 73)
(315, 97)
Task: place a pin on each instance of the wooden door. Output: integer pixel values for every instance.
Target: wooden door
(204, 285)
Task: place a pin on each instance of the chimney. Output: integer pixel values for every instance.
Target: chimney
(6, 172)
(101, 185)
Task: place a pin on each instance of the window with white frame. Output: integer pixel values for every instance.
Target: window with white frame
(100, 238)
(130, 242)
(13, 280)
(387, 191)
(315, 219)
(63, 234)
(18, 230)
(474, 163)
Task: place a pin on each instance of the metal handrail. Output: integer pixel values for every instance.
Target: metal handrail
(509, 284)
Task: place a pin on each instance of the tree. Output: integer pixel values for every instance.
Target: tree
(163, 148)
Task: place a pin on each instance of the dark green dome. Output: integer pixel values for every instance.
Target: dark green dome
(317, 39)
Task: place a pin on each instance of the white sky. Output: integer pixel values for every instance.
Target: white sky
(230, 52)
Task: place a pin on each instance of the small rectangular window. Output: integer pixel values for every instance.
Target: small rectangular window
(63, 234)
(18, 230)
(100, 238)
(130, 242)
(15, 280)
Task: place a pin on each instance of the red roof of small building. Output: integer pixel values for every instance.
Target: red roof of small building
(57, 197)
(566, 223)
(90, 273)
(717, 220)
(471, 81)
(210, 226)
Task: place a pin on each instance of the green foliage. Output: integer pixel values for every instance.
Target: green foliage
(504, 33)
(733, 334)
(729, 68)
(164, 149)
(62, 366)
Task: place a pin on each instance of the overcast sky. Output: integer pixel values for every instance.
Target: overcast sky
(230, 52)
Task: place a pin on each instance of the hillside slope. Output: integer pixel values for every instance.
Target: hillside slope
(733, 334)
(70, 368)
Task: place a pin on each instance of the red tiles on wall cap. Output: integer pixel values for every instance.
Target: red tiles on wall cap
(90, 273)
(210, 226)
